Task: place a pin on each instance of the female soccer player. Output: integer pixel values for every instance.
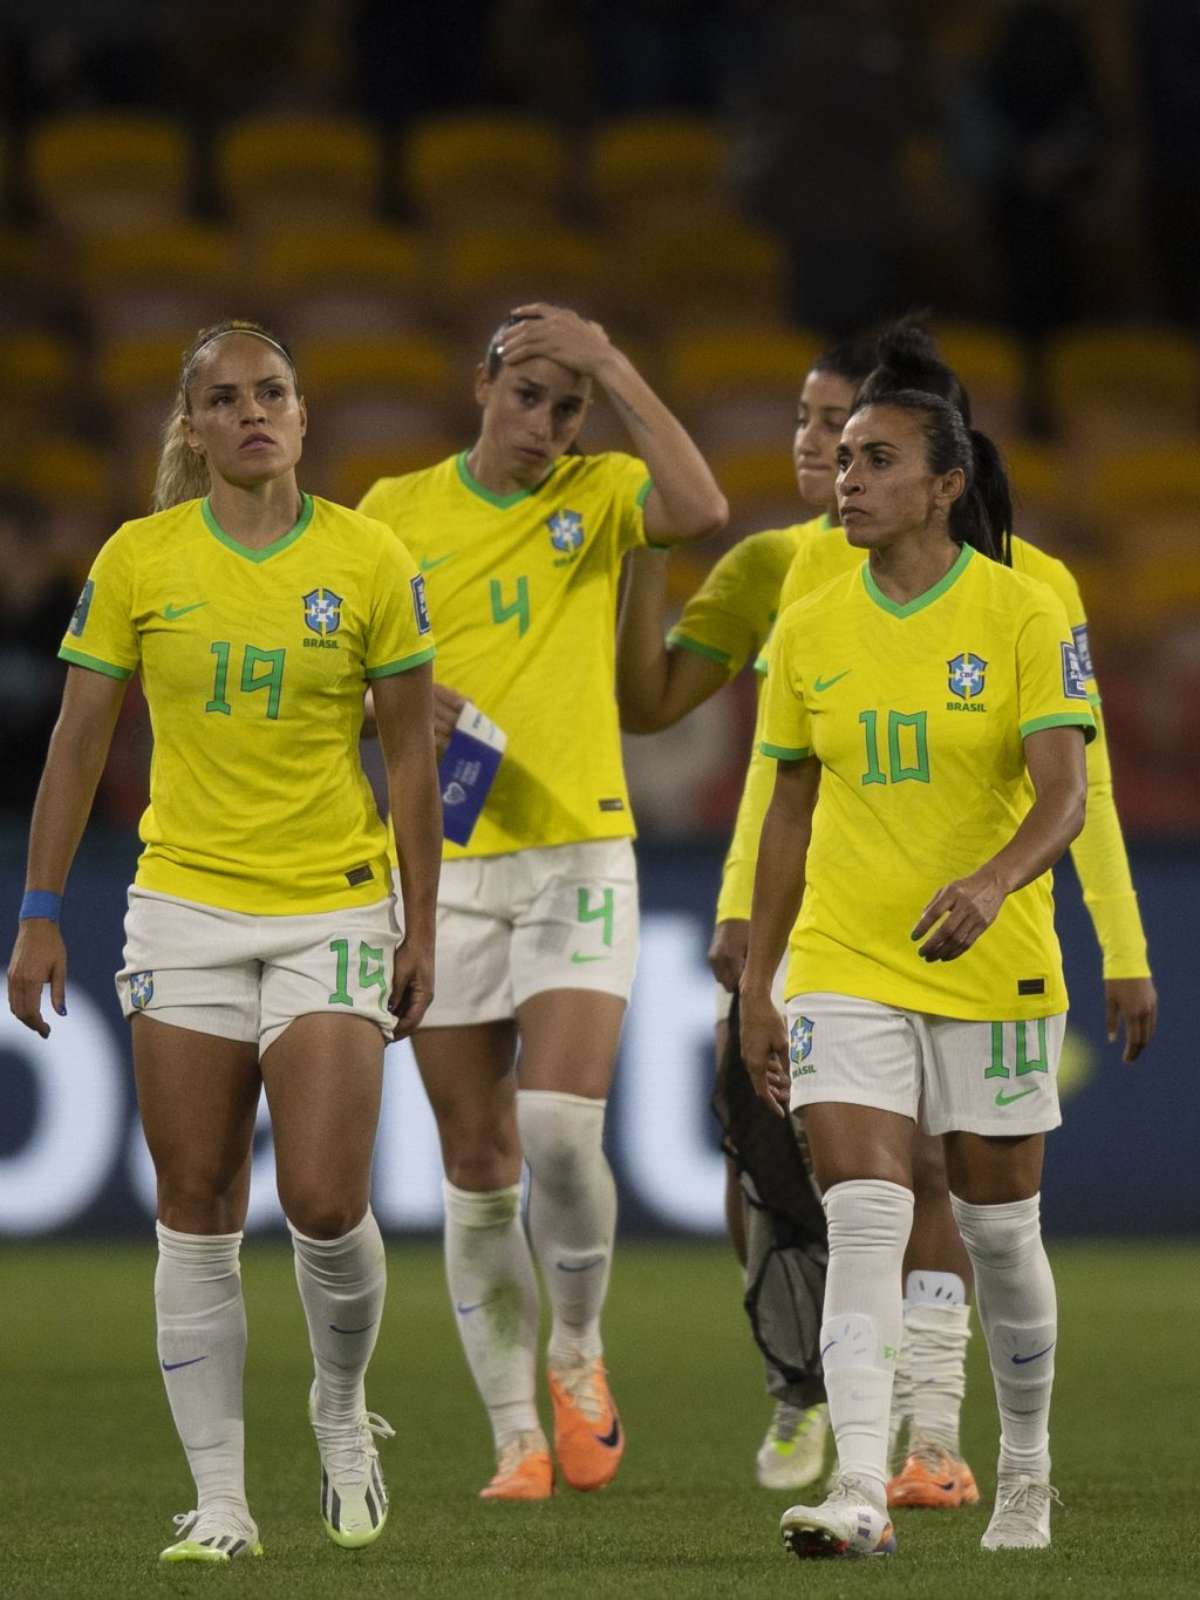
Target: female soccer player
(537, 914)
(262, 942)
(725, 624)
(922, 695)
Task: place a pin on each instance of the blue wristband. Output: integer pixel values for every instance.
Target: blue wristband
(40, 903)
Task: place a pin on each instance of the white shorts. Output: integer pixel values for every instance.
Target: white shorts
(243, 977)
(948, 1075)
(723, 999)
(512, 926)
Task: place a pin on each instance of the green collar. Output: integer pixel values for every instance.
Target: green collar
(268, 550)
(921, 600)
(502, 502)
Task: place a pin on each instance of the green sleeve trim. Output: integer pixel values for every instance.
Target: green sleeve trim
(643, 494)
(761, 665)
(94, 664)
(1094, 698)
(390, 668)
(708, 651)
(1064, 719)
(779, 752)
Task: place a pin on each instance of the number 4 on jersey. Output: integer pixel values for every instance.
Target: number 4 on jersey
(519, 608)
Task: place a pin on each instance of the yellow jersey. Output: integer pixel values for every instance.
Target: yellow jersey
(523, 589)
(918, 715)
(731, 614)
(1099, 852)
(254, 664)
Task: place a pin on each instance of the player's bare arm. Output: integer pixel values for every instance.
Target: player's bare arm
(960, 912)
(74, 762)
(778, 891)
(656, 685)
(685, 502)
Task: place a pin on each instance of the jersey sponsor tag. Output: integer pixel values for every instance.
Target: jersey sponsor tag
(420, 605)
(1074, 679)
(615, 804)
(358, 875)
(1031, 985)
(82, 606)
(1083, 649)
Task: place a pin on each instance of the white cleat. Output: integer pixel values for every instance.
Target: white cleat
(354, 1498)
(1021, 1520)
(793, 1452)
(847, 1523)
(215, 1537)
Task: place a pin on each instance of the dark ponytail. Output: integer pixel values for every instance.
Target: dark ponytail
(982, 514)
(907, 357)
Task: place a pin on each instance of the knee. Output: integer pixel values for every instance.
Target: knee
(929, 1170)
(868, 1216)
(479, 1155)
(201, 1200)
(318, 1214)
(561, 1135)
(999, 1236)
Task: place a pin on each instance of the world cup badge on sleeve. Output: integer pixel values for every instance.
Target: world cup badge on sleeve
(1074, 677)
(82, 606)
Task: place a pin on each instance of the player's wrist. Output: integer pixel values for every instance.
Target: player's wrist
(40, 905)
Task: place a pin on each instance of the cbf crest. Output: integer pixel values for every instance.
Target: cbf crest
(322, 611)
(141, 989)
(966, 678)
(800, 1039)
(566, 531)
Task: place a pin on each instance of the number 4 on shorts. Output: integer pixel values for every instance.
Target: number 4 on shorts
(603, 912)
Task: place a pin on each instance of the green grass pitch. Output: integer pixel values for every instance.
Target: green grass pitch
(92, 1471)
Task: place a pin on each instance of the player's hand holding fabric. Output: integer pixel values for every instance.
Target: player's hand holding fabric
(727, 952)
(1133, 1001)
(39, 957)
(962, 911)
(412, 988)
(558, 335)
(446, 707)
(765, 1052)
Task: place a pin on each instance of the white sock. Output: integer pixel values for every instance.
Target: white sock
(202, 1353)
(869, 1223)
(1014, 1291)
(494, 1293)
(572, 1214)
(937, 1326)
(342, 1284)
(901, 1412)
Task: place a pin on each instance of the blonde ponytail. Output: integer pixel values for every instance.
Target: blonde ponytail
(183, 472)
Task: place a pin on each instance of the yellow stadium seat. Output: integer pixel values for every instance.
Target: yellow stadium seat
(295, 171)
(376, 394)
(138, 377)
(660, 173)
(482, 275)
(41, 376)
(353, 283)
(349, 476)
(760, 486)
(1114, 389)
(485, 171)
(1047, 504)
(991, 366)
(143, 284)
(740, 387)
(110, 173)
(717, 277)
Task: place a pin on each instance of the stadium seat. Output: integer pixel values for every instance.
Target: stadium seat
(482, 274)
(142, 284)
(660, 173)
(74, 481)
(105, 172)
(299, 171)
(990, 364)
(353, 283)
(1117, 388)
(349, 476)
(739, 388)
(138, 378)
(40, 382)
(715, 277)
(1048, 507)
(1148, 503)
(376, 394)
(484, 171)
(759, 483)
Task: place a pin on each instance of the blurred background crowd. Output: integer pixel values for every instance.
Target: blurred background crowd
(725, 184)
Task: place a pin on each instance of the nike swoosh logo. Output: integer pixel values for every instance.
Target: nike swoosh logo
(173, 613)
(828, 1348)
(612, 1438)
(1020, 1361)
(465, 1311)
(584, 1266)
(946, 1487)
(821, 684)
(578, 958)
(333, 1328)
(1003, 1099)
(174, 1366)
(428, 566)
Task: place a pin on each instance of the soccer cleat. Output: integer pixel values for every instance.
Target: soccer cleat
(524, 1470)
(216, 1536)
(931, 1479)
(793, 1451)
(354, 1498)
(1021, 1520)
(846, 1523)
(588, 1437)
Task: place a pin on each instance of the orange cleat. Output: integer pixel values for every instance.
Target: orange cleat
(589, 1440)
(524, 1470)
(933, 1480)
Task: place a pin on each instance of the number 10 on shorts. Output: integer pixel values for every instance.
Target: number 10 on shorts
(372, 973)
